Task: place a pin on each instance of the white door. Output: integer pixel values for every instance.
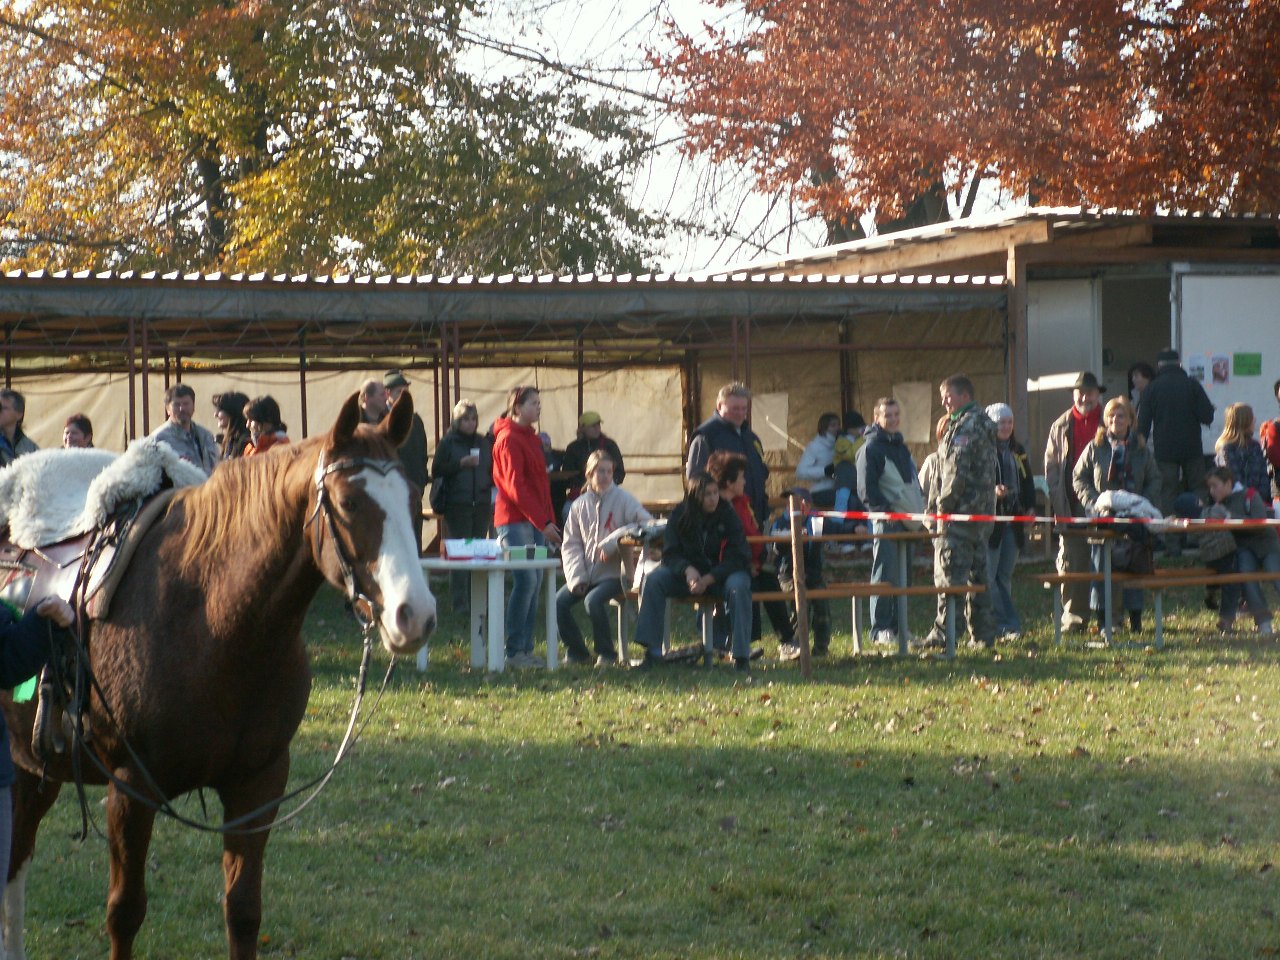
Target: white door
(1064, 337)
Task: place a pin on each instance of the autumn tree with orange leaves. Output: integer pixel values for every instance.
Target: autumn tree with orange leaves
(332, 135)
(886, 107)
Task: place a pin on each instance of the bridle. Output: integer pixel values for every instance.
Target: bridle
(362, 606)
(359, 603)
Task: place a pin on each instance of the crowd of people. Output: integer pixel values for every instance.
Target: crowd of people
(506, 482)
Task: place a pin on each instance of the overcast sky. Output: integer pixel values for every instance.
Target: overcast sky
(608, 39)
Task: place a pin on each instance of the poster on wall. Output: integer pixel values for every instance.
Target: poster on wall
(916, 400)
(769, 419)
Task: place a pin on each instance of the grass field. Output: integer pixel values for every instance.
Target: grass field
(1038, 802)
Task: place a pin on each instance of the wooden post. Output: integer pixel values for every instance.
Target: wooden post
(795, 508)
(302, 379)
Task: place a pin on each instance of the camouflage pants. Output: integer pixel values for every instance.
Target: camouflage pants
(960, 558)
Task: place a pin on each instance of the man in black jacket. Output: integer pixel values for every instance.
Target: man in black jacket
(727, 429)
(1171, 412)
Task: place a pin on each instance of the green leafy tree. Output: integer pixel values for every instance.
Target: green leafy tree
(295, 136)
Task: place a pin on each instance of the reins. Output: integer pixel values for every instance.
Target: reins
(362, 607)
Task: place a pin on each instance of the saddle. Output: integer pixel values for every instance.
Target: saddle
(84, 571)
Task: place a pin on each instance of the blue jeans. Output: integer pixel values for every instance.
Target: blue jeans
(522, 606)
(884, 569)
(1000, 562)
(1253, 596)
(1130, 600)
(665, 582)
(597, 600)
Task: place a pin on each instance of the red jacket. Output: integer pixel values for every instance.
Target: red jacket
(520, 476)
(1269, 434)
(265, 442)
(742, 507)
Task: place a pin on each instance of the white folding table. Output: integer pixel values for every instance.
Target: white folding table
(489, 609)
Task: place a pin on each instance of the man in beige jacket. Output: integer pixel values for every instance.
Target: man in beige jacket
(1069, 436)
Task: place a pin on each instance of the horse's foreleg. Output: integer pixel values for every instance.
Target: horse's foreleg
(128, 836)
(31, 801)
(242, 855)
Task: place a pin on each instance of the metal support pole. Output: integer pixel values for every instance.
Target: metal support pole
(302, 380)
(133, 400)
(146, 378)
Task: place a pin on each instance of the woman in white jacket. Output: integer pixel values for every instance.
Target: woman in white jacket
(589, 555)
(815, 467)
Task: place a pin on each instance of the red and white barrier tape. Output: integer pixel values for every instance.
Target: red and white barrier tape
(1170, 522)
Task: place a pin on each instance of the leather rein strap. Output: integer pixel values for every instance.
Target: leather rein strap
(358, 601)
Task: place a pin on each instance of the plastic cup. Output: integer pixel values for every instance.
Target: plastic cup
(817, 523)
(475, 452)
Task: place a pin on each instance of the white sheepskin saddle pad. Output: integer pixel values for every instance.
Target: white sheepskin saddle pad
(50, 495)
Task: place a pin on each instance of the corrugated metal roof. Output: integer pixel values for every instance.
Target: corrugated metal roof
(1059, 218)
(499, 281)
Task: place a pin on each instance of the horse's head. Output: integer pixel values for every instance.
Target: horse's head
(367, 546)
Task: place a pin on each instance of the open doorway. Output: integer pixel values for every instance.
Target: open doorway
(1136, 325)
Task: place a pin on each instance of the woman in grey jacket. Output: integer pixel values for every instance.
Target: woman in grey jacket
(1118, 459)
(589, 555)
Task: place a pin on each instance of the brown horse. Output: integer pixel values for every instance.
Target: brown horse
(201, 660)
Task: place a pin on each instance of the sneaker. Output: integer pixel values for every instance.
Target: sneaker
(884, 638)
(819, 651)
(606, 660)
(933, 640)
(576, 659)
(651, 661)
(741, 665)
(1226, 627)
(1264, 629)
(756, 653)
(788, 651)
(525, 661)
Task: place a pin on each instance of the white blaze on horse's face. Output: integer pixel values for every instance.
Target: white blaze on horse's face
(408, 608)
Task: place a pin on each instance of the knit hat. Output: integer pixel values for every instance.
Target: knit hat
(853, 421)
(999, 411)
(462, 408)
(1168, 356)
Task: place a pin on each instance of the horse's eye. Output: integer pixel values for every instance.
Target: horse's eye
(348, 504)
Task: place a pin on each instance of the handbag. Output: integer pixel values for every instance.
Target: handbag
(1133, 556)
(903, 497)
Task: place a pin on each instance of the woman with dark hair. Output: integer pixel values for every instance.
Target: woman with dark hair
(233, 432)
(1140, 374)
(462, 489)
(77, 432)
(704, 553)
(729, 470)
(262, 415)
(815, 468)
(522, 514)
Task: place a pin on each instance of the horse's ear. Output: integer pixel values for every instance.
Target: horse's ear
(395, 426)
(344, 427)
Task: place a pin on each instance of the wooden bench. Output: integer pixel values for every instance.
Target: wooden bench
(837, 591)
(1107, 579)
(1160, 583)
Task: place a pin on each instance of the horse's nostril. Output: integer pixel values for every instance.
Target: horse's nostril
(407, 621)
(429, 626)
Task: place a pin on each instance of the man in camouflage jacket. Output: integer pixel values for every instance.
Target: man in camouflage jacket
(966, 483)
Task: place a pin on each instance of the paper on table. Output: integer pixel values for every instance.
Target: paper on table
(472, 549)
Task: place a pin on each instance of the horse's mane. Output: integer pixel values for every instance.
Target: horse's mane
(242, 499)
